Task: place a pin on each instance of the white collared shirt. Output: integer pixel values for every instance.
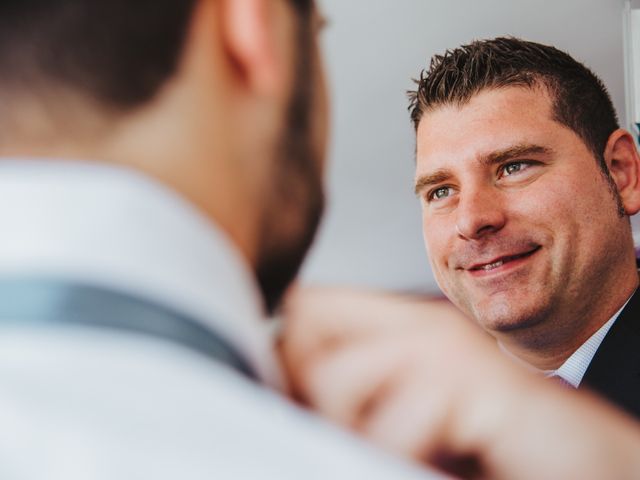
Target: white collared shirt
(131, 234)
(81, 404)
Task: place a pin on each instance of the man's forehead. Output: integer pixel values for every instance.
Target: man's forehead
(489, 103)
(492, 121)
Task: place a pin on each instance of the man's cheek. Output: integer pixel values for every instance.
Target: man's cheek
(443, 277)
(432, 260)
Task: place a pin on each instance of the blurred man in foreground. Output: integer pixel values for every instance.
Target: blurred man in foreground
(159, 186)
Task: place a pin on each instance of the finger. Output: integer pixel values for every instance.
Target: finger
(345, 383)
(322, 319)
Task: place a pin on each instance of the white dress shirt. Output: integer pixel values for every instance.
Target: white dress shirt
(77, 403)
(114, 228)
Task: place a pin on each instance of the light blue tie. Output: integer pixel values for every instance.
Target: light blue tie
(54, 302)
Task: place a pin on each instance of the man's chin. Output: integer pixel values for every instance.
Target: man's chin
(508, 317)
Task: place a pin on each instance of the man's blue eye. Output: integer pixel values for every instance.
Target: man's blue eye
(511, 168)
(440, 193)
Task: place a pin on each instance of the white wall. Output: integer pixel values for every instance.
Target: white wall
(372, 233)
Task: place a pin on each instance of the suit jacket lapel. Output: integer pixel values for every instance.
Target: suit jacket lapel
(614, 371)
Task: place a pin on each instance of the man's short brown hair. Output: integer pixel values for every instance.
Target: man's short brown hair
(118, 52)
(580, 99)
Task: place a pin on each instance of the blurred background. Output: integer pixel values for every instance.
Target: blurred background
(371, 235)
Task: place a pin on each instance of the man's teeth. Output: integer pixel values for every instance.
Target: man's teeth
(491, 266)
(503, 260)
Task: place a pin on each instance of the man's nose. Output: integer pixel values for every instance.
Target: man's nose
(480, 212)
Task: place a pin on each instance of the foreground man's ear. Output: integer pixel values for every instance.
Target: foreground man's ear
(621, 156)
(257, 38)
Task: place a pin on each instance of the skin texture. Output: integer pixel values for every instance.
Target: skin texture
(499, 177)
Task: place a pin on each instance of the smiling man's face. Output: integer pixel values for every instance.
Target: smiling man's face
(520, 223)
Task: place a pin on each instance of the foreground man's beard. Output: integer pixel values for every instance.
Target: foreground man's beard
(292, 211)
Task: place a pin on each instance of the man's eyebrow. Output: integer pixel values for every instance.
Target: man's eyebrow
(500, 156)
(434, 178)
(493, 158)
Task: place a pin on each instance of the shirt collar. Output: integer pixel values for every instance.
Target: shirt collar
(114, 227)
(574, 368)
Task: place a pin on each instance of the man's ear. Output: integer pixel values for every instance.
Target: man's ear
(621, 156)
(257, 37)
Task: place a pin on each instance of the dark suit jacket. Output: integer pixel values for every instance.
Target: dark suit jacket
(614, 371)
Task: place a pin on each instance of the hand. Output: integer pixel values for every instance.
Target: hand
(419, 379)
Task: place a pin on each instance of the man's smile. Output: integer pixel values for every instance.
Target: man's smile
(499, 263)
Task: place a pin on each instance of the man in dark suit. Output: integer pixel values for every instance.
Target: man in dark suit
(615, 368)
(527, 184)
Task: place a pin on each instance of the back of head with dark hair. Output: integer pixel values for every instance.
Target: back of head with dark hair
(580, 100)
(118, 52)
